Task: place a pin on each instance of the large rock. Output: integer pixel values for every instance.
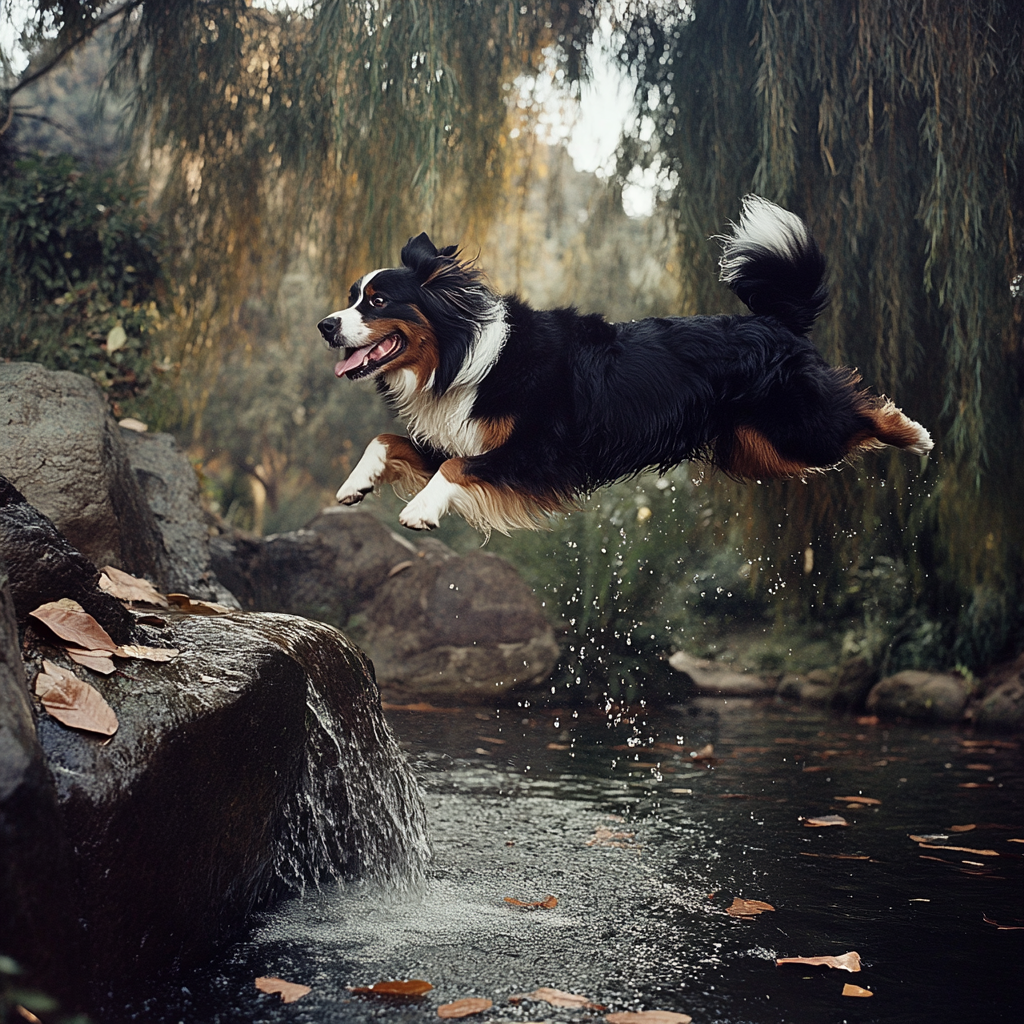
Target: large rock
(913, 694)
(713, 680)
(327, 571)
(171, 488)
(1003, 707)
(458, 625)
(37, 908)
(63, 450)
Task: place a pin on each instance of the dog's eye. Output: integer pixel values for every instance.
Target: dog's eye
(377, 301)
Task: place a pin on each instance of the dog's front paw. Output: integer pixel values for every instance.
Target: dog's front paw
(352, 494)
(418, 519)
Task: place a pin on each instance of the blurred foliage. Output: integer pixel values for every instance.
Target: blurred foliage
(897, 131)
(80, 277)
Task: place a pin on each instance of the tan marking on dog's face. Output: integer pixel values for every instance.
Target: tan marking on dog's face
(420, 354)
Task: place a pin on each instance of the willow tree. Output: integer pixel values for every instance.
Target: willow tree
(897, 131)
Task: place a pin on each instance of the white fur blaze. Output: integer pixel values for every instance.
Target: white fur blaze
(367, 474)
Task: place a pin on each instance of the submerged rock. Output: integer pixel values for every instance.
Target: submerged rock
(912, 694)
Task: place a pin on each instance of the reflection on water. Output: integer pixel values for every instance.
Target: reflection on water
(644, 847)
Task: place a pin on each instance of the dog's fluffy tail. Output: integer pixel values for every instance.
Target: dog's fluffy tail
(774, 265)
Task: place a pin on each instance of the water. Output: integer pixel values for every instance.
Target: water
(644, 848)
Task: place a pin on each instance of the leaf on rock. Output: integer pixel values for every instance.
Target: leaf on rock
(147, 653)
(412, 987)
(71, 622)
(98, 661)
(648, 1017)
(289, 991)
(126, 587)
(856, 990)
(556, 997)
(844, 962)
(824, 821)
(867, 800)
(464, 1007)
(74, 702)
(548, 903)
(747, 908)
(190, 606)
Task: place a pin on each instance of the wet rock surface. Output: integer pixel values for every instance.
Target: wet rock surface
(930, 696)
(171, 490)
(63, 450)
(711, 679)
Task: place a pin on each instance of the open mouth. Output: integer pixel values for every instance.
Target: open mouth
(359, 362)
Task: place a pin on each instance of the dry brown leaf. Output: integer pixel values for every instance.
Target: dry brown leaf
(856, 990)
(98, 661)
(396, 569)
(464, 1007)
(126, 587)
(976, 785)
(962, 828)
(71, 622)
(558, 746)
(289, 991)
(648, 1017)
(1003, 927)
(412, 987)
(147, 653)
(1015, 840)
(959, 849)
(868, 800)
(548, 903)
(190, 606)
(73, 701)
(492, 739)
(844, 962)
(747, 908)
(824, 821)
(556, 997)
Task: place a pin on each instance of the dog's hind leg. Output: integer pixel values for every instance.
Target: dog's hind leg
(388, 459)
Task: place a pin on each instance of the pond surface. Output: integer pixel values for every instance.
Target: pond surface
(644, 849)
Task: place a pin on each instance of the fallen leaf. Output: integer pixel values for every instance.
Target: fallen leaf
(961, 828)
(747, 908)
(126, 587)
(844, 962)
(838, 856)
(1003, 927)
(98, 661)
(548, 903)
(396, 569)
(959, 849)
(824, 821)
(26, 1014)
(1015, 840)
(682, 792)
(147, 653)
(704, 754)
(868, 720)
(491, 739)
(151, 620)
(464, 1007)
(289, 991)
(734, 796)
(71, 622)
(979, 767)
(190, 606)
(929, 838)
(856, 990)
(558, 746)
(606, 837)
(73, 701)
(868, 800)
(556, 997)
(129, 422)
(412, 987)
(976, 785)
(648, 1017)
(419, 706)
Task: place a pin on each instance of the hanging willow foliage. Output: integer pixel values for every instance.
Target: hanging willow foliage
(897, 131)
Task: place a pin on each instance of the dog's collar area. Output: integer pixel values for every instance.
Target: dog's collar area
(360, 362)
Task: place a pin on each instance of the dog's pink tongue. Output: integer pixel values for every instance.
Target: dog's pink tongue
(357, 358)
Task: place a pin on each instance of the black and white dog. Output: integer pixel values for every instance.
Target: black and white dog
(514, 413)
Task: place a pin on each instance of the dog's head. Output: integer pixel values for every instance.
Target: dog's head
(424, 316)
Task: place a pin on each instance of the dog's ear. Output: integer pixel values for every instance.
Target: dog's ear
(420, 253)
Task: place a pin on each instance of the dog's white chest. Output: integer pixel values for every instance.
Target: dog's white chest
(442, 422)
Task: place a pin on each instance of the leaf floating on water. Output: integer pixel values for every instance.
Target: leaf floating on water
(73, 702)
(289, 991)
(824, 821)
(98, 661)
(464, 1007)
(932, 837)
(556, 997)
(962, 828)
(71, 622)
(190, 606)
(419, 706)
(844, 962)
(412, 987)
(976, 785)
(869, 801)
(856, 990)
(558, 746)
(648, 1017)
(1002, 927)
(147, 653)
(960, 849)
(126, 587)
(837, 856)
(548, 903)
(747, 908)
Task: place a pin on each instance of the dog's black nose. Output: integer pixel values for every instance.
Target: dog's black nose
(328, 327)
